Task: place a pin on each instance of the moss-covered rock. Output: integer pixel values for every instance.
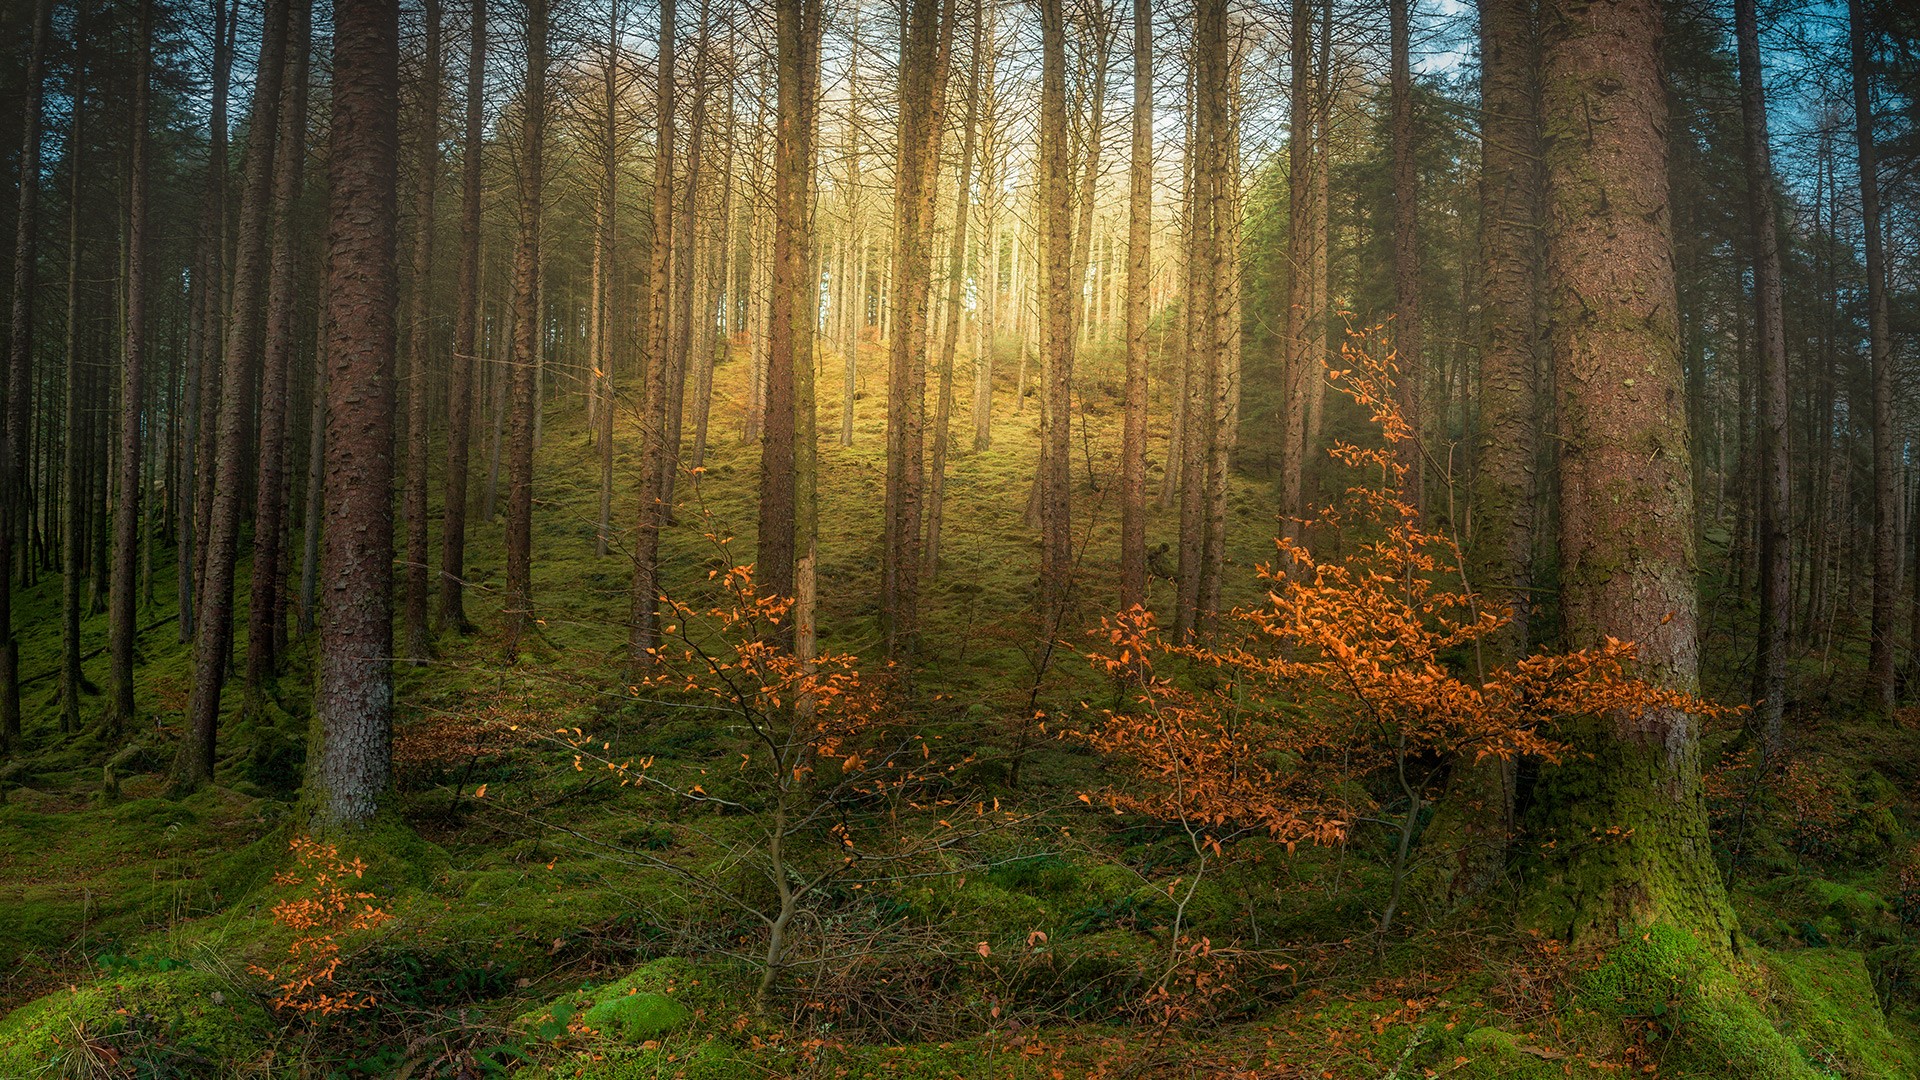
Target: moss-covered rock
(180, 1022)
(636, 1017)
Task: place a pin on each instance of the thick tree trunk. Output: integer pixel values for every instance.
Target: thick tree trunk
(270, 488)
(1133, 436)
(1886, 559)
(1626, 505)
(353, 696)
(1304, 340)
(1776, 551)
(418, 636)
(121, 625)
(526, 336)
(213, 632)
(466, 326)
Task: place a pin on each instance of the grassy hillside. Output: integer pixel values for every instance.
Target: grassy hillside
(539, 919)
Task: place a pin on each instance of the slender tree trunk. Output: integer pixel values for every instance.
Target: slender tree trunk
(466, 325)
(956, 286)
(418, 636)
(600, 347)
(213, 635)
(1886, 560)
(1133, 436)
(645, 637)
(526, 336)
(926, 36)
(1059, 294)
(1304, 342)
(855, 315)
(19, 371)
(1626, 508)
(73, 532)
(316, 470)
(1776, 551)
(1410, 385)
(121, 616)
(351, 772)
(270, 488)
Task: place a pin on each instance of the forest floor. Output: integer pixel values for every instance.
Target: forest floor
(527, 923)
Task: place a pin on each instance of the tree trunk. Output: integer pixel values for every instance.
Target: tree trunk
(1133, 436)
(121, 625)
(270, 489)
(1886, 561)
(1626, 506)
(466, 325)
(351, 771)
(316, 470)
(925, 44)
(213, 633)
(19, 369)
(418, 637)
(73, 532)
(1770, 659)
(526, 336)
(1410, 385)
(1059, 293)
(645, 637)
(956, 284)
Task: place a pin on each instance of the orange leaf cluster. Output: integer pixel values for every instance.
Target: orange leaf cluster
(329, 906)
(1351, 668)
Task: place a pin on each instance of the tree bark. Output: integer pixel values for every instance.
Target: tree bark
(418, 636)
(1886, 490)
(524, 389)
(1626, 503)
(956, 286)
(121, 626)
(270, 487)
(645, 637)
(1776, 550)
(466, 325)
(1410, 384)
(1059, 291)
(1133, 436)
(351, 771)
(213, 632)
(73, 531)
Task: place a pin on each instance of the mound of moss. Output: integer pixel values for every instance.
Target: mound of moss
(178, 1023)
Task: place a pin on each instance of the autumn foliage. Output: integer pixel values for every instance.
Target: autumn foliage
(329, 905)
(1350, 682)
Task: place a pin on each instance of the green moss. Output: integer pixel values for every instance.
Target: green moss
(1713, 1029)
(635, 1017)
(164, 1018)
(1826, 1005)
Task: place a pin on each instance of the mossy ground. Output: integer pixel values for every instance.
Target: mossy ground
(1043, 953)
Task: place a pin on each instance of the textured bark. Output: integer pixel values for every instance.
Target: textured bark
(1411, 384)
(925, 44)
(1304, 341)
(121, 625)
(270, 486)
(1133, 436)
(316, 473)
(1058, 296)
(205, 347)
(418, 636)
(466, 325)
(19, 369)
(1506, 440)
(1626, 501)
(1776, 550)
(353, 695)
(600, 308)
(646, 561)
(956, 286)
(1886, 560)
(524, 386)
(73, 529)
(213, 632)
